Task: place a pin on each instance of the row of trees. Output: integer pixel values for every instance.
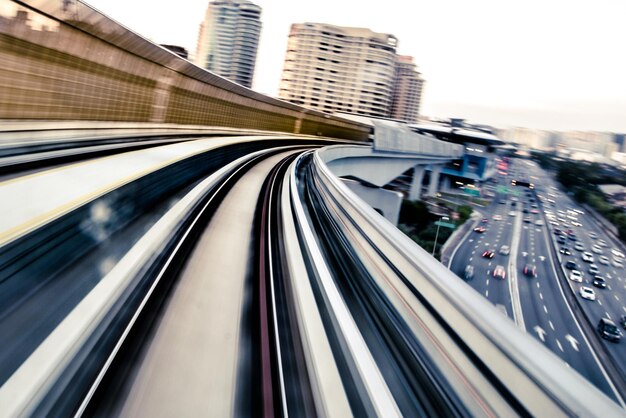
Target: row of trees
(418, 223)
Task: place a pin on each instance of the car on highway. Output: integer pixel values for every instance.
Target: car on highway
(576, 223)
(596, 249)
(565, 251)
(499, 272)
(576, 276)
(622, 321)
(593, 269)
(469, 272)
(571, 265)
(587, 293)
(599, 281)
(538, 222)
(489, 253)
(602, 243)
(527, 219)
(497, 217)
(603, 260)
(608, 330)
(593, 235)
(534, 211)
(617, 263)
(485, 220)
(561, 239)
(587, 257)
(502, 201)
(480, 229)
(572, 236)
(617, 253)
(530, 270)
(505, 250)
(579, 246)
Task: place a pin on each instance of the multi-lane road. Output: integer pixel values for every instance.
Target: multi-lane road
(535, 293)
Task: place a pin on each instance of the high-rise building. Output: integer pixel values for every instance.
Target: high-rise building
(338, 69)
(407, 94)
(229, 38)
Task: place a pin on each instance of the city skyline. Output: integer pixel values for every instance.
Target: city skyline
(546, 66)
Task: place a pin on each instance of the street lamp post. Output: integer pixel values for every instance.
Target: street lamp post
(443, 218)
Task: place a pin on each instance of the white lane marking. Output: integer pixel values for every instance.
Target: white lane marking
(489, 264)
(540, 332)
(545, 309)
(551, 325)
(600, 302)
(487, 293)
(559, 344)
(470, 259)
(616, 298)
(573, 341)
(541, 295)
(537, 285)
(487, 282)
(608, 315)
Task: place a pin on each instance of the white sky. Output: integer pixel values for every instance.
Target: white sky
(550, 64)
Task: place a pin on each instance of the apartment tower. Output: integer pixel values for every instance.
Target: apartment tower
(338, 69)
(407, 95)
(229, 38)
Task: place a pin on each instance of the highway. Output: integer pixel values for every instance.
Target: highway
(545, 311)
(239, 276)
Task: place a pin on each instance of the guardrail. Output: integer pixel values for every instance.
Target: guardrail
(530, 378)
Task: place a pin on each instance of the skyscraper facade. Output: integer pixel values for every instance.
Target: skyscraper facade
(229, 38)
(338, 69)
(407, 94)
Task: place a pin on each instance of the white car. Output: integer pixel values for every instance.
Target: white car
(538, 222)
(579, 247)
(593, 235)
(617, 263)
(576, 223)
(596, 249)
(512, 213)
(576, 276)
(617, 253)
(497, 217)
(603, 259)
(587, 257)
(602, 243)
(587, 293)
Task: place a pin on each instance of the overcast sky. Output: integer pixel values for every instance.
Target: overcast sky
(550, 64)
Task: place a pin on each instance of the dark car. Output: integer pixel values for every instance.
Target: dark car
(561, 239)
(530, 270)
(622, 321)
(608, 330)
(571, 265)
(489, 253)
(598, 281)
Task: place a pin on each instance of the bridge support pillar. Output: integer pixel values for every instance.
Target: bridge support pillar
(385, 202)
(416, 185)
(433, 185)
